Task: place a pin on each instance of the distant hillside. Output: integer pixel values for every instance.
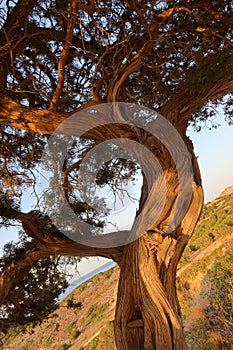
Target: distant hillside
(228, 190)
(204, 279)
(84, 320)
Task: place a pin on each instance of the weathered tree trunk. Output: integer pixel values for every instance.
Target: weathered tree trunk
(145, 319)
(148, 315)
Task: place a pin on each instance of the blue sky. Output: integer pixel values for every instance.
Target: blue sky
(214, 149)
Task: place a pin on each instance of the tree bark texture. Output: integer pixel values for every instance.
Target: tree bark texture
(148, 315)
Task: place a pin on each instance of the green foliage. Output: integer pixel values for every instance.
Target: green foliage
(214, 329)
(186, 285)
(193, 248)
(70, 327)
(95, 313)
(109, 273)
(221, 293)
(13, 251)
(83, 286)
(65, 346)
(229, 223)
(126, 169)
(27, 345)
(219, 312)
(104, 340)
(142, 52)
(211, 236)
(198, 338)
(36, 293)
(93, 344)
(96, 296)
(207, 75)
(74, 335)
(48, 342)
(216, 221)
(71, 304)
(21, 151)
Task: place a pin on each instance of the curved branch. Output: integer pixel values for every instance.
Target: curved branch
(18, 15)
(48, 244)
(64, 54)
(120, 77)
(35, 120)
(178, 110)
(18, 269)
(46, 122)
(185, 102)
(43, 231)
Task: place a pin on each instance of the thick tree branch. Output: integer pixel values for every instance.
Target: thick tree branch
(59, 244)
(185, 102)
(12, 30)
(65, 54)
(18, 15)
(40, 121)
(178, 110)
(14, 272)
(47, 244)
(120, 77)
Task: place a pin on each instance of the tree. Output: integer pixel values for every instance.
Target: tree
(34, 295)
(60, 57)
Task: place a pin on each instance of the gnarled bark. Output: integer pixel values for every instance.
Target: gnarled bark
(151, 41)
(148, 315)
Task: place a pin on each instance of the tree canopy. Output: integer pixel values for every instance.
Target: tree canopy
(60, 57)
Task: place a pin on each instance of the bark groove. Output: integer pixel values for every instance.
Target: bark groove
(148, 315)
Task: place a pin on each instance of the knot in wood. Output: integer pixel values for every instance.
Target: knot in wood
(156, 236)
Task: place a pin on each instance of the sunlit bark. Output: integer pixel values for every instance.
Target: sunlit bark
(148, 314)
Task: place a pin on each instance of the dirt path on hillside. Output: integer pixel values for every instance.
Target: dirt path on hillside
(202, 253)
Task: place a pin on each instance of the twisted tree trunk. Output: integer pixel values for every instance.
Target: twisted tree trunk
(148, 315)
